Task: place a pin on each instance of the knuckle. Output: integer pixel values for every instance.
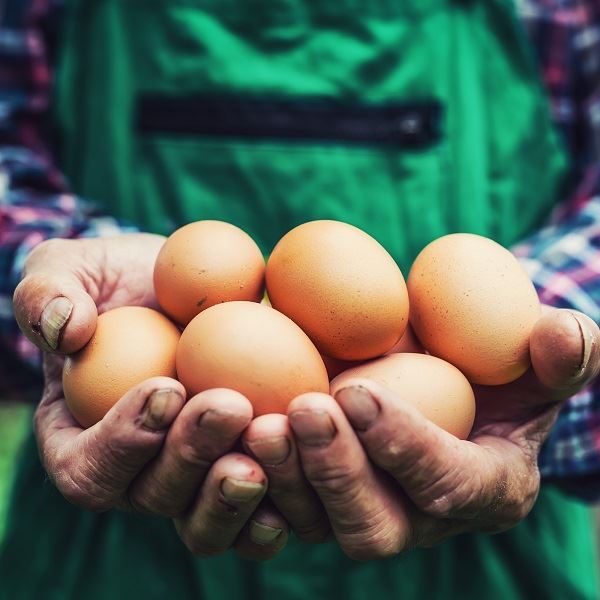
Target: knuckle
(453, 496)
(80, 491)
(337, 479)
(376, 549)
(194, 458)
(44, 250)
(374, 537)
(122, 451)
(515, 506)
(46, 246)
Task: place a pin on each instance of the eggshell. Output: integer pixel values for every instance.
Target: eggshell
(341, 286)
(130, 344)
(206, 263)
(253, 349)
(436, 388)
(473, 305)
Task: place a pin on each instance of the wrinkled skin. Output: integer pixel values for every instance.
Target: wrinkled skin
(359, 464)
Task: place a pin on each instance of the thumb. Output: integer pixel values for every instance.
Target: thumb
(565, 350)
(51, 304)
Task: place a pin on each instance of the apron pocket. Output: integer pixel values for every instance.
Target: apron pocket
(406, 125)
(268, 165)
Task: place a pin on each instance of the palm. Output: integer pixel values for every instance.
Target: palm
(114, 272)
(120, 271)
(505, 409)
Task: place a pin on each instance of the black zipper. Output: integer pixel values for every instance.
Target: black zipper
(412, 125)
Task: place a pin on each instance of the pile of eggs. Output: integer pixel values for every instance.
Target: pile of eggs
(337, 307)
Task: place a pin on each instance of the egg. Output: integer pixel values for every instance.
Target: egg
(472, 304)
(253, 349)
(437, 389)
(341, 287)
(206, 263)
(130, 344)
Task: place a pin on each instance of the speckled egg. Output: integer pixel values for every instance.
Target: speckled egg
(472, 304)
(341, 287)
(130, 344)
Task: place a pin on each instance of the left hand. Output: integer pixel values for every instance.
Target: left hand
(386, 479)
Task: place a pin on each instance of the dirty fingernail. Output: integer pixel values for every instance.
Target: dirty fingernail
(358, 404)
(263, 534)
(313, 427)
(161, 408)
(588, 342)
(272, 450)
(221, 422)
(54, 317)
(237, 490)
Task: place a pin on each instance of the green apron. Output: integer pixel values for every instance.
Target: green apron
(409, 119)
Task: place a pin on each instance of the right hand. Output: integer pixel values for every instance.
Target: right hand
(152, 453)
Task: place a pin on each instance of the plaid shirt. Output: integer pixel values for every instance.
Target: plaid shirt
(563, 259)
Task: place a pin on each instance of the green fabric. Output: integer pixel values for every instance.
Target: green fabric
(496, 171)
(56, 552)
(469, 55)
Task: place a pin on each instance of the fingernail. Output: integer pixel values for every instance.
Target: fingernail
(54, 317)
(272, 450)
(161, 408)
(313, 427)
(236, 490)
(217, 421)
(263, 534)
(358, 404)
(588, 342)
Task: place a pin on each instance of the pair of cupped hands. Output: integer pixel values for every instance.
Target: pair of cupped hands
(359, 465)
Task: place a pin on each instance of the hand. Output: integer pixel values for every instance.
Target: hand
(152, 453)
(389, 479)
(270, 440)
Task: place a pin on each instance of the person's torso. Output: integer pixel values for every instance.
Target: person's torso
(409, 119)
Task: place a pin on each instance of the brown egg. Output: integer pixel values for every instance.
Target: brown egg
(206, 263)
(130, 344)
(473, 305)
(341, 286)
(253, 349)
(436, 388)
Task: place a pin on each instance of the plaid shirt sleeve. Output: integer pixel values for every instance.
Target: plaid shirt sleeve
(35, 202)
(563, 259)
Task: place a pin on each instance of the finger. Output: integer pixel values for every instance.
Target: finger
(490, 480)
(51, 304)
(363, 508)
(264, 536)
(207, 428)
(92, 468)
(229, 496)
(269, 439)
(565, 351)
